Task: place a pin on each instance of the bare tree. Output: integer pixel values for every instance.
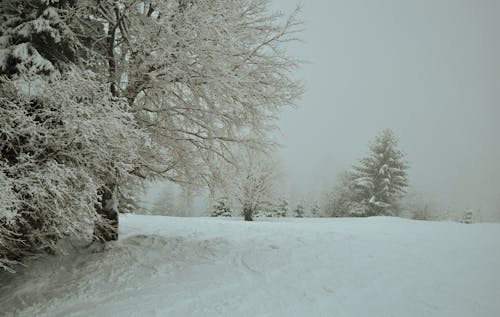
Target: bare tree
(251, 182)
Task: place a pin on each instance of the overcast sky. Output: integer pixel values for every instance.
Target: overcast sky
(428, 69)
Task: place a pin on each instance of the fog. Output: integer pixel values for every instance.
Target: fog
(429, 70)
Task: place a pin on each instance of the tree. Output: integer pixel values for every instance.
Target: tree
(221, 208)
(315, 209)
(341, 202)
(57, 119)
(165, 202)
(282, 208)
(163, 89)
(299, 210)
(380, 178)
(467, 217)
(58, 145)
(250, 182)
(419, 206)
(194, 88)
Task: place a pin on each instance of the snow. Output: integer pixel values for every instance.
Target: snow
(165, 266)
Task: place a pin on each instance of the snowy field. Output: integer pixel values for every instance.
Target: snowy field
(165, 266)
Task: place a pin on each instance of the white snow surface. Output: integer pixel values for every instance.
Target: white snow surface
(165, 266)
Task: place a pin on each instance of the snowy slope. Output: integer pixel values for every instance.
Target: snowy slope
(165, 266)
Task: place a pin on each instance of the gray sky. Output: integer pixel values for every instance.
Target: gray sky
(428, 69)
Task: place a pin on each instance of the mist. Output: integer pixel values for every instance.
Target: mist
(428, 70)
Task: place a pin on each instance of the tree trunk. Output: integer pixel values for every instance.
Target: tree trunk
(107, 229)
(248, 213)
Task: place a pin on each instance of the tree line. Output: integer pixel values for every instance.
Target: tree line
(374, 186)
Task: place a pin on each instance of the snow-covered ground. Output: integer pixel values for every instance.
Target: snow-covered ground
(165, 266)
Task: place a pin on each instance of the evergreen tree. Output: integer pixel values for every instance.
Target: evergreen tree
(221, 208)
(282, 208)
(298, 212)
(380, 179)
(315, 210)
(35, 37)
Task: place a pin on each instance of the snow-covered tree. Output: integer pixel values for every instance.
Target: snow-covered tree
(221, 208)
(59, 144)
(299, 210)
(467, 217)
(282, 208)
(341, 201)
(315, 209)
(164, 203)
(135, 90)
(251, 182)
(199, 76)
(35, 37)
(380, 179)
(198, 91)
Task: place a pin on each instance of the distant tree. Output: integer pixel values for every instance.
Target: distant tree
(221, 208)
(258, 181)
(251, 182)
(165, 203)
(467, 217)
(282, 208)
(341, 202)
(419, 206)
(266, 209)
(315, 209)
(299, 210)
(380, 179)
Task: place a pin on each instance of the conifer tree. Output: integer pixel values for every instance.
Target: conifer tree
(315, 210)
(221, 208)
(299, 210)
(282, 208)
(380, 179)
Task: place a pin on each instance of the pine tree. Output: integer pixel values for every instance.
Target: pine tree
(315, 210)
(35, 38)
(221, 208)
(282, 208)
(380, 179)
(298, 212)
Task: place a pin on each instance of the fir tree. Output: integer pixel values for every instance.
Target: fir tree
(299, 210)
(315, 210)
(380, 179)
(221, 208)
(282, 208)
